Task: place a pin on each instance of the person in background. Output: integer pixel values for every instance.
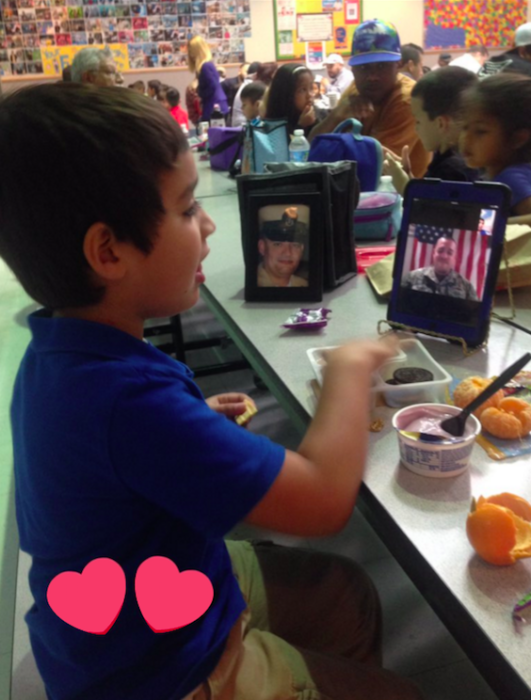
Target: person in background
(94, 66)
(237, 116)
(266, 72)
(443, 60)
(232, 85)
(139, 86)
(411, 62)
(222, 73)
(436, 103)
(517, 60)
(193, 103)
(321, 102)
(153, 88)
(290, 97)
(171, 99)
(94, 404)
(496, 135)
(209, 87)
(67, 74)
(473, 59)
(380, 96)
(339, 76)
(251, 96)
(426, 69)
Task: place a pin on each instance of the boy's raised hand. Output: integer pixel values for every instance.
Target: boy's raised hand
(393, 165)
(230, 405)
(369, 354)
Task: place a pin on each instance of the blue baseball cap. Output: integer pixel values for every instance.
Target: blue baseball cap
(375, 41)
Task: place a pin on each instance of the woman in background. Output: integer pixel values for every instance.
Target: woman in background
(208, 84)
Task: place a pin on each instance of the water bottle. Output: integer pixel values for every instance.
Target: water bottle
(386, 184)
(299, 147)
(216, 117)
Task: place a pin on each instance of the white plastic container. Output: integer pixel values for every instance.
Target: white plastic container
(414, 355)
(434, 459)
(299, 148)
(411, 353)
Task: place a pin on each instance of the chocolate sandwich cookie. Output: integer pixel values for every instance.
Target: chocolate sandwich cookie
(412, 375)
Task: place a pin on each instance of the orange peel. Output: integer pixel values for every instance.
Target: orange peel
(499, 528)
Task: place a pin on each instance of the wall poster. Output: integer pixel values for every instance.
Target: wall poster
(300, 21)
(43, 36)
(458, 24)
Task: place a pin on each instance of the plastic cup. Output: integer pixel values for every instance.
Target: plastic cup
(434, 459)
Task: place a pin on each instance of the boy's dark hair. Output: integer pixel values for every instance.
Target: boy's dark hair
(409, 53)
(281, 99)
(253, 91)
(173, 96)
(414, 46)
(507, 98)
(441, 90)
(96, 155)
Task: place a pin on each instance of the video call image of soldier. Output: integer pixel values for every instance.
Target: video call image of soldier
(441, 277)
(281, 244)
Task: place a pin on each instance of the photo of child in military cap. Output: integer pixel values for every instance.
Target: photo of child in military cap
(283, 246)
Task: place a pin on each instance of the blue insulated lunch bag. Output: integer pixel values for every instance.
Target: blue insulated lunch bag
(366, 151)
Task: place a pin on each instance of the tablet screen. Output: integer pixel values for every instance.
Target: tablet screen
(446, 260)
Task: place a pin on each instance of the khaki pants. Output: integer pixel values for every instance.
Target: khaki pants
(311, 631)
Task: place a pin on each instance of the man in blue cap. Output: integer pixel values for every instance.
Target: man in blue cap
(281, 246)
(380, 96)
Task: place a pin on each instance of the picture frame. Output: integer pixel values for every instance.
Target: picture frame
(283, 247)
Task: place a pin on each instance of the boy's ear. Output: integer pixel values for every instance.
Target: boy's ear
(443, 123)
(104, 253)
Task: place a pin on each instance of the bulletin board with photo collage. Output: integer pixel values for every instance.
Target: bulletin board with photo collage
(315, 27)
(43, 36)
(463, 23)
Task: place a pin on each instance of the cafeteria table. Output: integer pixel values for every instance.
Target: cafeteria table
(421, 520)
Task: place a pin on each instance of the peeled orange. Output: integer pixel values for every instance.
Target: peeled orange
(510, 419)
(467, 390)
(499, 528)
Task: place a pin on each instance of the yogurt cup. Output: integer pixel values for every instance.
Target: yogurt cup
(436, 459)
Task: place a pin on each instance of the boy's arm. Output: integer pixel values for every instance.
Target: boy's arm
(316, 489)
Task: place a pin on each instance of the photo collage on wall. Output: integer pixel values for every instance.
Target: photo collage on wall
(141, 34)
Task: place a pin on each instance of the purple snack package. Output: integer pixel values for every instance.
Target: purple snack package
(520, 607)
(308, 319)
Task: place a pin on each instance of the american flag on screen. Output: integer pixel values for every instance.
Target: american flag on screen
(472, 256)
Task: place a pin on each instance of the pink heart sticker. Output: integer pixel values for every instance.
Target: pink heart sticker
(90, 601)
(169, 599)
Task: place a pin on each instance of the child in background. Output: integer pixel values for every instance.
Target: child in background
(171, 99)
(290, 97)
(436, 103)
(139, 86)
(496, 135)
(118, 455)
(251, 96)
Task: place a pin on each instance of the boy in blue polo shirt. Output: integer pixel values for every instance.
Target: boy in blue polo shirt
(118, 455)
